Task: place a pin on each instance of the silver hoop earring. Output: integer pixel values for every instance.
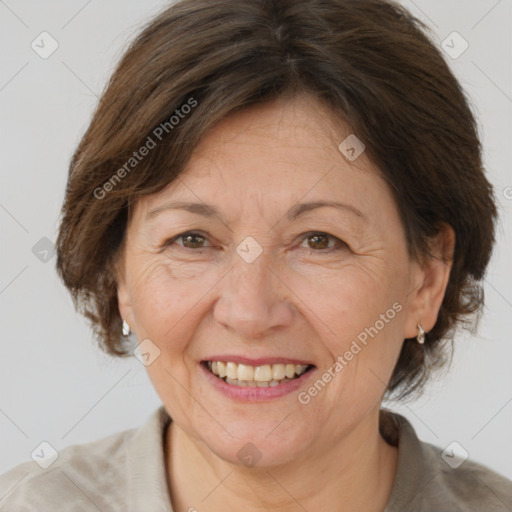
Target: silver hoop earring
(421, 335)
(126, 328)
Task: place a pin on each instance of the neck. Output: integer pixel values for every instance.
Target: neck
(357, 471)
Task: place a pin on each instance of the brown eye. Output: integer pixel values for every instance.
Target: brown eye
(319, 242)
(192, 240)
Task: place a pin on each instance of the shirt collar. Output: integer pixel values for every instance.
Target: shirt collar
(147, 480)
(398, 431)
(147, 487)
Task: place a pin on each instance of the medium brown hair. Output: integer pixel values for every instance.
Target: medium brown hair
(370, 61)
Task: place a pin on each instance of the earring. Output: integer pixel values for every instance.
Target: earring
(421, 335)
(126, 328)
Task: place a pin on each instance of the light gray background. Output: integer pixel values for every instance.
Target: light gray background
(56, 386)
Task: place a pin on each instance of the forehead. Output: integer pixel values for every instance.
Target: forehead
(273, 155)
(290, 128)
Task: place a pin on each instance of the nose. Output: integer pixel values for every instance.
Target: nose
(253, 300)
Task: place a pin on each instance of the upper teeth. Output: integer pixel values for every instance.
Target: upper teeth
(264, 373)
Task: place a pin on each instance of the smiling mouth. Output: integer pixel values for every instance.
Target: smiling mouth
(267, 375)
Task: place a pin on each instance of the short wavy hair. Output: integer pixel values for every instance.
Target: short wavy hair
(370, 61)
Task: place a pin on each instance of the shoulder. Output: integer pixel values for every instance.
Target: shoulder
(72, 481)
(430, 478)
(461, 484)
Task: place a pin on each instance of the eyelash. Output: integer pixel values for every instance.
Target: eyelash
(341, 244)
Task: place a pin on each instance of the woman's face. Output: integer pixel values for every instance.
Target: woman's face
(262, 280)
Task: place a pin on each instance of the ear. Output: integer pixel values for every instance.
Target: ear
(123, 295)
(429, 282)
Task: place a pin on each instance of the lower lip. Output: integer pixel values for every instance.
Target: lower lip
(255, 394)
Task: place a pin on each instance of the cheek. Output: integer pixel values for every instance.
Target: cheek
(166, 299)
(342, 302)
(167, 308)
(358, 313)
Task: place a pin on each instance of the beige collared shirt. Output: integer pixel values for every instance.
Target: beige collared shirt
(125, 472)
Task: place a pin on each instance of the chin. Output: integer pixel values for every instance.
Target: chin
(253, 448)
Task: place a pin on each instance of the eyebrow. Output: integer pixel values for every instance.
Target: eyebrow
(206, 210)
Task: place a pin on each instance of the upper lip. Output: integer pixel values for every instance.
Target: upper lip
(260, 361)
